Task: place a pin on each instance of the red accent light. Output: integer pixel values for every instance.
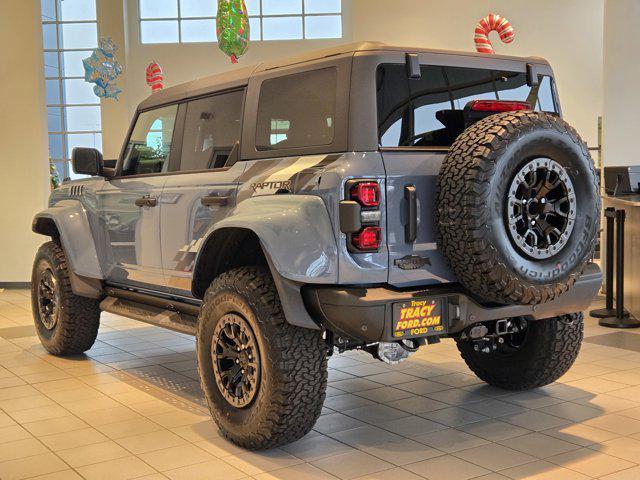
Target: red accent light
(498, 106)
(369, 239)
(366, 194)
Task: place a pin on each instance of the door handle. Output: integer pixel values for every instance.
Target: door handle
(411, 210)
(146, 201)
(214, 200)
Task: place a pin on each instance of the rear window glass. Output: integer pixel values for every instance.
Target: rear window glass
(429, 112)
(297, 110)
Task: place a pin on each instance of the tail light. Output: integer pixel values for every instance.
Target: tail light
(360, 215)
(498, 106)
(366, 194)
(368, 239)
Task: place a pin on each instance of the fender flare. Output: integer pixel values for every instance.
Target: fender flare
(296, 236)
(74, 231)
(295, 232)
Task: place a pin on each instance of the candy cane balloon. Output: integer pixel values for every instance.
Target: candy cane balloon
(491, 22)
(154, 77)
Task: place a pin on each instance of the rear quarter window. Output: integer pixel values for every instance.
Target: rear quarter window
(296, 111)
(429, 112)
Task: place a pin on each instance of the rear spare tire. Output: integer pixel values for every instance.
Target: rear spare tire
(518, 207)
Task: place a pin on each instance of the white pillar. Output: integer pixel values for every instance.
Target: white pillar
(115, 113)
(621, 117)
(24, 167)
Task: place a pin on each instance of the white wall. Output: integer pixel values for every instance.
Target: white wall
(115, 113)
(24, 183)
(622, 70)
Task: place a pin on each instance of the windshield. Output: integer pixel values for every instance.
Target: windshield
(430, 111)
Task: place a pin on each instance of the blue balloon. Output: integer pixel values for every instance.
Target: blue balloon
(102, 68)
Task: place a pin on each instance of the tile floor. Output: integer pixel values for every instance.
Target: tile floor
(132, 408)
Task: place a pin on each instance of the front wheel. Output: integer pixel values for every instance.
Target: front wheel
(536, 357)
(66, 323)
(264, 379)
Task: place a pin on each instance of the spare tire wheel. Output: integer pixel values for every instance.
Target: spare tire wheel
(518, 207)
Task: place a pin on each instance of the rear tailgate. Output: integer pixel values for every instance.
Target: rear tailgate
(419, 118)
(418, 261)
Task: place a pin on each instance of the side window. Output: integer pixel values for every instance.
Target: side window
(212, 127)
(297, 110)
(150, 142)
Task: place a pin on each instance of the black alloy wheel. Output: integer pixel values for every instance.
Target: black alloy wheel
(48, 298)
(541, 208)
(236, 360)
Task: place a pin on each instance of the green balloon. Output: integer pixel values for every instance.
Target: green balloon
(232, 28)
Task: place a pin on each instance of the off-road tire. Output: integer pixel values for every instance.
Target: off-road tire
(549, 350)
(471, 199)
(293, 380)
(78, 321)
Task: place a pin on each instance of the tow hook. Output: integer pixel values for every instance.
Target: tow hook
(486, 341)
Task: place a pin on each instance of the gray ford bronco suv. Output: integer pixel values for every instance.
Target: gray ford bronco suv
(362, 197)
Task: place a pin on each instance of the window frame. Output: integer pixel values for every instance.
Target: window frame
(261, 16)
(363, 111)
(176, 142)
(342, 64)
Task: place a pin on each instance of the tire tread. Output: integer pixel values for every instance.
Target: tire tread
(300, 363)
(557, 347)
(79, 320)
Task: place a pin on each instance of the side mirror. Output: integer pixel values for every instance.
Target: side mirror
(86, 161)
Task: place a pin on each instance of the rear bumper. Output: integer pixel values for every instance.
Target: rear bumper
(365, 314)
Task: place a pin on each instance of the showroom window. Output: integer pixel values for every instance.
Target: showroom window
(70, 32)
(185, 21)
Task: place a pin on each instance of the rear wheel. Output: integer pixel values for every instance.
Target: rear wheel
(66, 323)
(264, 379)
(537, 356)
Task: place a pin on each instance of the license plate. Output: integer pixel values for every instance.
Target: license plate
(418, 318)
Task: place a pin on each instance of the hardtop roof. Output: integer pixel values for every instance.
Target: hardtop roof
(239, 77)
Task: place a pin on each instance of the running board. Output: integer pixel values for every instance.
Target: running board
(154, 315)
